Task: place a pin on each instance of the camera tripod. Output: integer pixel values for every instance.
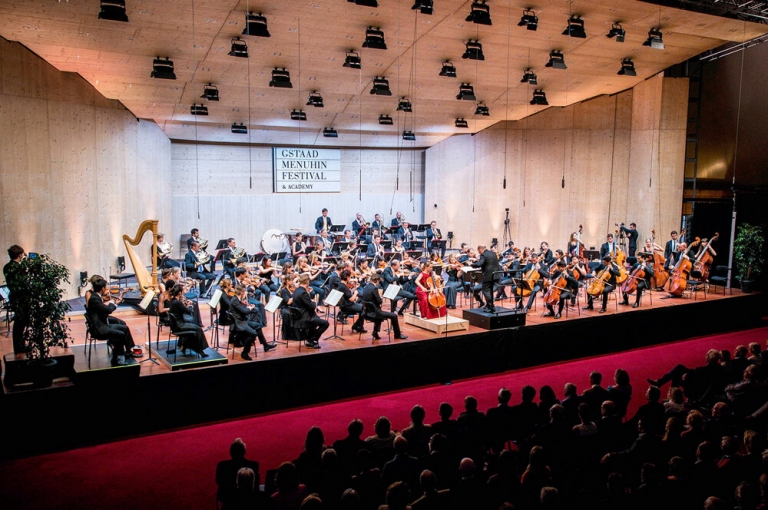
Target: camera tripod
(507, 236)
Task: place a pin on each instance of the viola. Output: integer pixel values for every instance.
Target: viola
(681, 272)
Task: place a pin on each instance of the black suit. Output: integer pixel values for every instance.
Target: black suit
(373, 250)
(356, 227)
(435, 235)
(119, 335)
(489, 264)
(244, 324)
(607, 249)
(670, 248)
(314, 325)
(632, 235)
(371, 295)
(388, 277)
(15, 280)
(198, 273)
(610, 284)
(226, 476)
(319, 223)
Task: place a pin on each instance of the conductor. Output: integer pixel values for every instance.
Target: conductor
(489, 264)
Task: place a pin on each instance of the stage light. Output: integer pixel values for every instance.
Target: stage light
(381, 87)
(425, 6)
(627, 68)
(482, 109)
(466, 92)
(374, 38)
(404, 105)
(298, 115)
(474, 51)
(409, 135)
(240, 129)
(529, 20)
(256, 25)
(239, 48)
(480, 13)
(617, 32)
(365, 3)
(448, 70)
(462, 123)
(575, 28)
(539, 98)
(162, 69)
(329, 132)
(198, 109)
(210, 92)
(315, 99)
(352, 60)
(655, 39)
(556, 60)
(385, 120)
(530, 77)
(281, 78)
(113, 10)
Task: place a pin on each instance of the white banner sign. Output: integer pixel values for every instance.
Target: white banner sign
(306, 170)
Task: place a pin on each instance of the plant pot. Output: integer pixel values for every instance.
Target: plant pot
(747, 285)
(41, 372)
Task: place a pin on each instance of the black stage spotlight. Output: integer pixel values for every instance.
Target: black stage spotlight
(404, 105)
(329, 132)
(381, 87)
(627, 67)
(385, 120)
(239, 48)
(474, 51)
(448, 69)
(113, 10)
(365, 3)
(539, 98)
(530, 77)
(210, 92)
(352, 60)
(556, 60)
(462, 123)
(425, 6)
(298, 115)
(409, 135)
(529, 20)
(374, 38)
(482, 109)
(655, 39)
(256, 24)
(240, 129)
(575, 28)
(480, 13)
(281, 78)
(617, 32)
(466, 92)
(162, 69)
(315, 99)
(198, 109)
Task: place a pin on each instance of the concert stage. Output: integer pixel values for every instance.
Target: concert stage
(103, 404)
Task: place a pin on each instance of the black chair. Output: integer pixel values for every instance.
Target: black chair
(719, 278)
(220, 320)
(370, 314)
(234, 339)
(177, 333)
(161, 322)
(300, 332)
(91, 334)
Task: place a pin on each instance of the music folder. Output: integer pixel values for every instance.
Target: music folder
(391, 292)
(215, 298)
(340, 246)
(333, 298)
(273, 304)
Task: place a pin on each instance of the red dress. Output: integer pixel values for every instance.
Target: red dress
(427, 312)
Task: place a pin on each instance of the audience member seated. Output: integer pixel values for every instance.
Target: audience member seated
(700, 383)
(595, 395)
(246, 495)
(472, 431)
(382, 444)
(310, 464)
(417, 433)
(403, 467)
(227, 471)
(620, 393)
(525, 416)
(500, 421)
(432, 498)
(347, 448)
(290, 493)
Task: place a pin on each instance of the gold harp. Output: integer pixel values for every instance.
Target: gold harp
(143, 277)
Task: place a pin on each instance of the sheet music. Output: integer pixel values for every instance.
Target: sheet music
(273, 304)
(213, 303)
(392, 290)
(148, 297)
(469, 269)
(333, 298)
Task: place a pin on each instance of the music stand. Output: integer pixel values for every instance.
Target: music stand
(333, 299)
(339, 246)
(387, 244)
(213, 303)
(415, 254)
(144, 305)
(272, 306)
(336, 229)
(222, 244)
(439, 245)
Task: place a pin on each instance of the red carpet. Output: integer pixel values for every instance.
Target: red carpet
(176, 469)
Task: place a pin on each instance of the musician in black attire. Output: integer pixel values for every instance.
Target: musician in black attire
(228, 259)
(195, 233)
(14, 279)
(376, 248)
(377, 224)
(323, 222)
(164, 260)
(608, 247)
(243, 314)
(371, 295)
(350, 301)
(434, 234)
(632, 235)
(645, 260)
(117, 335)
(186, 321)
(390, 275)
(285, 292)
(543, 270)
(314, 325)
(671, 246)
(197, 271)
(610, 284)
(546, 254)
(489, 265)
(511, 264)
(406, 234)
(569, 292)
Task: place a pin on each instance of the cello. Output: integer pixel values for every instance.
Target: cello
(436, 297)
(660, 275)
(619, 257)
(552, 296)
(597, 285)
(704, 259)
(630, 285)
(682, 270)
(528, 281)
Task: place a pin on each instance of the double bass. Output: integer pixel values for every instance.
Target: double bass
(682, 270)
(660, 275)
(619, 257)
(704, 259)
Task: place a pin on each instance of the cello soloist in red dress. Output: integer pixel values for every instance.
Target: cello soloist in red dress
(424, 283)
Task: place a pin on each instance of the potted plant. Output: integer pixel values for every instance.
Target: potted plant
(41, 300)
(748, 252)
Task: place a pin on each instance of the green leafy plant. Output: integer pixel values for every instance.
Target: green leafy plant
(748, 249)
(41, 300)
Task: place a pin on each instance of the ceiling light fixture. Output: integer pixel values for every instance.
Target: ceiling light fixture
(655, 39)
(616, 31)
(298, 115)
(113, 10)
(365, 3)
(539, 98)
(385, 120)
(425, 6)
(474, 50)
(315, 99)
(529, 20)
(448, 69)
(281, 79)
(480, 13)
(627, 68)
(256, 25)
(409, 135)
(162, 69)
(404, 105)
(329, 132)
(240, 129)
(462, 123)
(575, 28)
(239, 48)
(556, 60)
(466, 92)
(381, 87)
(352, 60)
(530, 77)
(198, 109)
(374, 38)
(482, 109)
(210, 92)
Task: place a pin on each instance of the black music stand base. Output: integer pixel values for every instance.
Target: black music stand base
(334, 335)
(149, 345)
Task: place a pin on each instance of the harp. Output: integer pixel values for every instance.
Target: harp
(143, 277)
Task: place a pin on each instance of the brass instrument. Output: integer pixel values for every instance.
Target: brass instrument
(237, 253)
(202, 242)
(202, 257)
(164, 249)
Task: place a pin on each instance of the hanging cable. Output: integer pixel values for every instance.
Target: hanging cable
(506, 106)
(250, 155)
(194, 62)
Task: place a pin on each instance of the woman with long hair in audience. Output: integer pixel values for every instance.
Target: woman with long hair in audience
(620, 393)
(547, 398)
(310, 463)
(290, 493)
(537, 475)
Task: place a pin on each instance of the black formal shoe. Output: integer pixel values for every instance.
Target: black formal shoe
(588, 307)
(269, 347)
(636, 305)
(491, 309)
(375, 336)
(203, 354)
(549, 314)
(654, 382)
(313, 345)
(400, 312)
(401, 337)
(245, 356)
(603, 310)
(359, 330)
(557, 316)
(128, 355)
(625, 303)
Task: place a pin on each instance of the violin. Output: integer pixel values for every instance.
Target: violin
(682, 270)
(436, 297)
